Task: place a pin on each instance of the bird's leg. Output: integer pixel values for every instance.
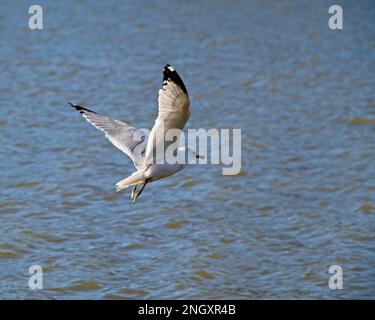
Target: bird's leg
(140, 191)
(133, 192)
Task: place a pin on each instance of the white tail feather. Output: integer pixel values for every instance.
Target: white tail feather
(137, 177)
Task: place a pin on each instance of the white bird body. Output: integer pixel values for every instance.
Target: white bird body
(160, 171)
(174, 112)
(152, 173)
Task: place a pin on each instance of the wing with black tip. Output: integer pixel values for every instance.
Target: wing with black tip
(128, 139)
(174, 111)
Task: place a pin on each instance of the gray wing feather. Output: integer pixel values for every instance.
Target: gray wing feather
(123, 136)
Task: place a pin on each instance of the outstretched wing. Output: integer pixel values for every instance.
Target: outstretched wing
(174, 111)
(128, 139)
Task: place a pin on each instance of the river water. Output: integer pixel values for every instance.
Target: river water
(302, 94)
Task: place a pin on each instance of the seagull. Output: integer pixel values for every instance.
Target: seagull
(174, 112)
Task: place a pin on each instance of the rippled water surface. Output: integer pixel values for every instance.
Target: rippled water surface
(302, 94)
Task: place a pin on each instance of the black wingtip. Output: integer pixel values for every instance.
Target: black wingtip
(79, 108)
(71, 104)
(170, 73)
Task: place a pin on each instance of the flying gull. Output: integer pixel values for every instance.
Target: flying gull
(174, 112)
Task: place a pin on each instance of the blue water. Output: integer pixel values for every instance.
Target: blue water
(302, 94)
